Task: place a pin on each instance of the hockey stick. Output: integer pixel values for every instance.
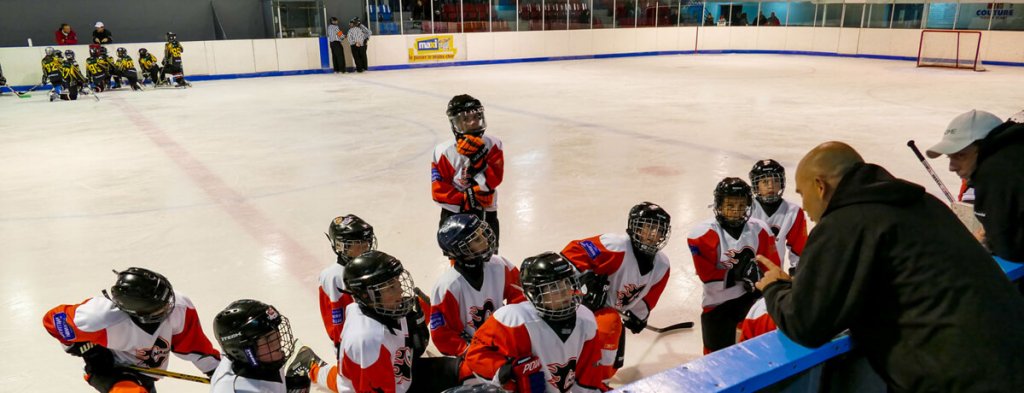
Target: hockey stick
(20, 95)
(666, 329)
(92, 93)
(170, 374)
(927, 167)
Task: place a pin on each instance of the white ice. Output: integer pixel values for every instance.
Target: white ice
(228, 187)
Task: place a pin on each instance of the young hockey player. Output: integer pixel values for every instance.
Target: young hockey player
(150, 68)
(466, 170)
(350, 236)
(476, 285)
(258, 342)
(785, 219)
(625, 276)
(724, 250)
(112, 68)
(97, 70)
(52, 64)
(72, 76)
(126, 68)
(137, 324)
(172, 61)
(548, 344)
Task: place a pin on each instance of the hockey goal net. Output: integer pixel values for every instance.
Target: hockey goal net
(950, 48)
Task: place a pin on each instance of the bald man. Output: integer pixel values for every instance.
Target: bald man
(924, 302)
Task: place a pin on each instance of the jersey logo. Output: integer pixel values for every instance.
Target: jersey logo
(434, 175)
(563, 376)
(436, 320)
(402, 365)
(153, 356)
(338, 316)
(477, 315)
(628, 294)
(694, 250)
(60, 322)
(776, 230)
(590, 248)
(736, 257)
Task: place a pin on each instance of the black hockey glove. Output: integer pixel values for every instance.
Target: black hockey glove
(419, 333)
(634, 323)
(3, 81)
(596, 286)
(470, 205)
(746, 272)
(98, 359)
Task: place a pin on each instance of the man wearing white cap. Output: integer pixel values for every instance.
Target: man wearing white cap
(101, 35)
(989, 154)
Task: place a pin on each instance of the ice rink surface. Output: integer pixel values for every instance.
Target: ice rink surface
(227, 187)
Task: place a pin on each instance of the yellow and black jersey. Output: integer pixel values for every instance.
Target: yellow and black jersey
(172, 52)
(108, 62)
(125, 63)
(147, 62)
(71, 72)
(51, 65)
(94, 67)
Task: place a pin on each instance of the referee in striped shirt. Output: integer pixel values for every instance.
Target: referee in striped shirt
(358, 37)
(335, 37)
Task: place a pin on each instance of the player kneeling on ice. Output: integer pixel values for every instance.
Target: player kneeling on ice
(150, 68)
(548, 344)
(74, 81)
(97, 70)
(257, 342)
(126, 69)
(624, 276)
(52, 64)
(350, 237)
(136, 325)
(476, 285)
(385, 334)
(723, 250)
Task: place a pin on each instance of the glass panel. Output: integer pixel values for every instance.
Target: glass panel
(647, 13)
(742, 14)
(579, 14)
(603, 13)
(554, 14)
(690, 13)
(416, 17)
(1006, 17)
(854, 12)
(503, 15)
(300, 19)
(833, 15)
(879, 16)
(907, 16)
(530, 14)
(775, 13)
(801, 14)
(476, 15)
(721, 13)
(941, 15)
(668, 13)
(973, 17)
(625, 14)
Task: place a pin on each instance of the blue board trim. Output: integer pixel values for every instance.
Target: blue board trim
(325, 57)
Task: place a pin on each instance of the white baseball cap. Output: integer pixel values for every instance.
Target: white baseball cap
(99, 24)
(964, 130)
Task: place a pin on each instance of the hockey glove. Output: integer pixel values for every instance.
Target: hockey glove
(634, 323)
(470, 146)
(469, 201)
(747, 272)
(525, 375)
(98, 359)
(419, 332)
(596, 286)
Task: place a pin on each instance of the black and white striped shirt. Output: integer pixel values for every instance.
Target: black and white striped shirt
(358, 35)
(334, 33)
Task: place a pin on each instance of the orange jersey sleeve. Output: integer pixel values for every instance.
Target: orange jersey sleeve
(513, 288)
(705, 256)
(591, 254)
(651, 299)
(493, 345)
(797, 236)
(766, 247)
(333, 314)
(442, 190)
(446, 328)
(751, 328)
(59, 322)
(192, 344)
(588, 375)
(495, 170)
(379, 377)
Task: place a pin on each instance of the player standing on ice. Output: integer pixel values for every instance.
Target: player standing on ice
(466, 171)
(350, 237)
(724, 250)
(172, 61)
(548, 344)
(476, 285)
(138, 323)
(624, 276)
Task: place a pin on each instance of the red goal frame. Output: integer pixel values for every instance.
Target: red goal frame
(975, 65)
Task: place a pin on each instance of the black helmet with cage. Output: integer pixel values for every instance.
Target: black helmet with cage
(254, 335)
(549, 283)
(379, 284)
(350, 236)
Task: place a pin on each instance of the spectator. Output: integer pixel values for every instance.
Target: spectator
(989, 154)
(101, 35)
(761, 19)
(924, 302)
(773, 20)
(709, 20)
(358, 38)
(742, 20)
(722, 21)
(418, 11)
(335, 37)
(65, 35)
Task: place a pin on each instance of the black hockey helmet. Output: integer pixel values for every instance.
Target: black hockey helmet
(94, 50)
(466, 115)
(549, 282)
(69, 54)
(466, 239)
(143, 52)
(103, 50)
(58, 54)
(122, 52)
(377, 281)
(649, 227)
(356, 21)
(143, 294)
(254, 334)
(732, 187)
(350, 235)
(171, 37)
(774, 175)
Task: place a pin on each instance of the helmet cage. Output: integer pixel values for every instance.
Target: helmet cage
(468, 122)
(374, 295)
(543, 298)
(772, 197)
(639, 229)
(464, 249)
(732, 222)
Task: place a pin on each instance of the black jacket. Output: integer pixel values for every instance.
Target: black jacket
(924, 302)
(998, 183)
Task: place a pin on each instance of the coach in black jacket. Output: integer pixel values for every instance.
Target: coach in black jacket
(921, 297)
(998, 185)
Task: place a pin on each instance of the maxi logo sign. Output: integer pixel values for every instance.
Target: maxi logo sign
(433, 48)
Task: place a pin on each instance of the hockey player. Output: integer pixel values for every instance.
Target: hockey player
(258, 342)
(724, 250)
(111, 67)
(785, 219)
(172, 61)
(350, 236)
(477, 284)
(466, 170)
(385, 332)
(548, 344)
(150, 68)
(126, 68)
(52, 64)
(72, 75)
(138, 323)
(625, 276)
(96, 69)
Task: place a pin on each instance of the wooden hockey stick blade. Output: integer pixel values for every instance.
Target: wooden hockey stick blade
(666, 329)
(170, 374)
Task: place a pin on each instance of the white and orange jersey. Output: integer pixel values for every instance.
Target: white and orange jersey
(789, 227)
(225, 380)
(449, 174)
(373, 357)
(333, 301)
(715, 252)
(612, 255)
(457, 309)
(517, 331)
(757, 322)
(98, 321)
